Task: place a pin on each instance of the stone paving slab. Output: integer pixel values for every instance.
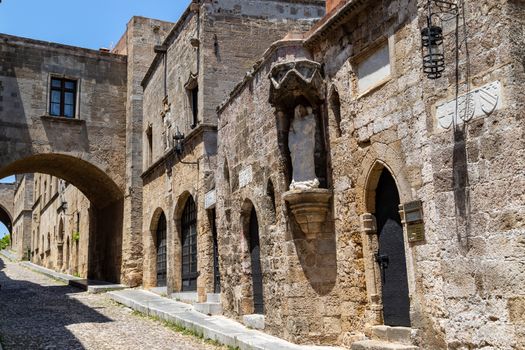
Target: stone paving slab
(219, 328)
(94, 287)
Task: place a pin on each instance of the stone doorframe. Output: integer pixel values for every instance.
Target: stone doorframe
(380, 156)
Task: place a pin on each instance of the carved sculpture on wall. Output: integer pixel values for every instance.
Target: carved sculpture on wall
(296, 86)
(301, 142)
(167, 133)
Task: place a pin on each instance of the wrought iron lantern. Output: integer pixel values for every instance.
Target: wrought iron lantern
(434, 58)
(179, 142)
(432, 38)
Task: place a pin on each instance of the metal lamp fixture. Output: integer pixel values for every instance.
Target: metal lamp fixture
(179, 138)
(432, 39)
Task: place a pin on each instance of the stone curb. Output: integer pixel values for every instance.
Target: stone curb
(218, 328)
(81, 283)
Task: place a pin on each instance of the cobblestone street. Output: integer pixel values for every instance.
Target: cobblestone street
(39, 313)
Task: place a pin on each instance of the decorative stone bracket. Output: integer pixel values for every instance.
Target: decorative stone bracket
(310, 208)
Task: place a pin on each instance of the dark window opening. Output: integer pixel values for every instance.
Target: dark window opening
(255, 257)
(335, 105)
(189, 247)
(161, 246)
(63, 97)
(216, 273)
(149, 137)
(194, 102)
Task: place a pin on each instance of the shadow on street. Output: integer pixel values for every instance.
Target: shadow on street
(33, 316)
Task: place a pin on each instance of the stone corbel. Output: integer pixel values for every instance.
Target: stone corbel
(300, 77)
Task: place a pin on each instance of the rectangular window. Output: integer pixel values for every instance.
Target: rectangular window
(63, 97)
(149, 145)
(374, 69)
(194, 102)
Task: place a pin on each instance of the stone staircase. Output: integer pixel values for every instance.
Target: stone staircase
(388, 338)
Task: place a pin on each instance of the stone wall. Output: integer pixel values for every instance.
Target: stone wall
(465, 278)
(61, 227)
(22, 203)
(137, 43)
(7, 195)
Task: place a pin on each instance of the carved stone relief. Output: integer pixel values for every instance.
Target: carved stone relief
(478, 103)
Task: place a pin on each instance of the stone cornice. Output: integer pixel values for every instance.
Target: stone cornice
(171, 154)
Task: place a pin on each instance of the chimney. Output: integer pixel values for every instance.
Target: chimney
(332, 4)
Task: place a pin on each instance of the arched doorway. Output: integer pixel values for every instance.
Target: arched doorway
(189, 246)
(391, 255)
(161, 245)
(255, 257)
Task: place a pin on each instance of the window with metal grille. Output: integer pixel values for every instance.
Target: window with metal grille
(161, 252)
(63, 97)
(189, 246)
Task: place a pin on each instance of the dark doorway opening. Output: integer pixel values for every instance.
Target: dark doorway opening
(162, 266)
(255, 255)
(216, 272)
(189, 246)
(391, 255)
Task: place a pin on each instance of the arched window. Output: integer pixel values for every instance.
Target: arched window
(161, 245)
(189, 246)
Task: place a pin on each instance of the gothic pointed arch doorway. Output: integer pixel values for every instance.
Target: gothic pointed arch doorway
(255, 257)
(391, 253)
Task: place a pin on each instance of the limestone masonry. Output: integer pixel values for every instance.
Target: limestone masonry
(288, 164)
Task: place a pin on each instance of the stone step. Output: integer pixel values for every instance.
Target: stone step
(186, 297)
(162, 291)
(403, 335)
(213, 297)
(380, 345)
(210, 309)
(255, 321)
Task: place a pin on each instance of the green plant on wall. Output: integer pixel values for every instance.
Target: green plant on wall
(76, 236)
(4, 242)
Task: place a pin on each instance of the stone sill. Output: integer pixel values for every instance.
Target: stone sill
(58, 119)
(374, 88)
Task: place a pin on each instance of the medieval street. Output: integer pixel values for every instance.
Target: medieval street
(262, 174)
(40, 313)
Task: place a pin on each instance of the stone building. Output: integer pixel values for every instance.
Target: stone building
(203, 57)
(333, 195)
(355, 195)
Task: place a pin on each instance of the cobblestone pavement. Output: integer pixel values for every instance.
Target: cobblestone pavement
(39, 313)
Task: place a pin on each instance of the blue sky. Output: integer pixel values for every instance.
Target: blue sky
(85, 23)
